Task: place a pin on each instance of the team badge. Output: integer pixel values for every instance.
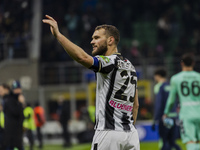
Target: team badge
(106, 59)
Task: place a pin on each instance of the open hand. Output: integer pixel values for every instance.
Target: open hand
(53, 25)
(164, 116)
(21, 99)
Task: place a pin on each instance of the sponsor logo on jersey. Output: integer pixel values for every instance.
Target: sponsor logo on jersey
(120, 106)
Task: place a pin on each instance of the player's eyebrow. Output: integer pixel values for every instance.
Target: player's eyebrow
(95, 37)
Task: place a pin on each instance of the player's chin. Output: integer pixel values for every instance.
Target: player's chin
(94, 52)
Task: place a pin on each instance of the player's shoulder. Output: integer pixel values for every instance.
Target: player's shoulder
(106, 59)
(166, 83)
(163, 85)
(183, 73)
(106, 63)
(176, 76)
(166, 86)
(196, 73)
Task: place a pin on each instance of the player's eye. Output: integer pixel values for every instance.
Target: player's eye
(96, 37)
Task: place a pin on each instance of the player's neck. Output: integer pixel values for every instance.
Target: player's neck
(187, 68)
(111, 51)
(162, 80)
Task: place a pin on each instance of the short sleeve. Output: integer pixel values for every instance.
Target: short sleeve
(103, 64)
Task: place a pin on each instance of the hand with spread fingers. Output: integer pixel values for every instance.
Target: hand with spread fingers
(53, 25)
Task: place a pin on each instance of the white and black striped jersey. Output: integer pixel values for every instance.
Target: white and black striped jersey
(116, 86)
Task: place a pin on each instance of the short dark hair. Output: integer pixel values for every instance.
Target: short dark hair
(161, 72)
(110, 31)
(188, 59)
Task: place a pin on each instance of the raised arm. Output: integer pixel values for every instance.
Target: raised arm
(135, 107)
(74, 51)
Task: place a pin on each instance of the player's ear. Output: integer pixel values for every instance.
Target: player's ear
(111, 40)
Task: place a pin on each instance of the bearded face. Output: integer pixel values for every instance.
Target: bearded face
(99, 42)
(100, 50)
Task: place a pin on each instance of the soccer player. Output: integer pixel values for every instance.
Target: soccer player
(39, 116)
(17, 90)
(116, 92)
(2, 121)
(13, 112)
(187, 85)
(63, 111)
(161, 90)
(29, 124)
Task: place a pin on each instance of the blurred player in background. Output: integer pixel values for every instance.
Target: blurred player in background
(116, 93)
(17, 90)
(187, 85)
(63, 111)
(161, 90)
(29, 124)
(2, 121)
(39, 117)
(13, 111)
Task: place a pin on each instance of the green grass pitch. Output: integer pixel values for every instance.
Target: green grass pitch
(143, 146)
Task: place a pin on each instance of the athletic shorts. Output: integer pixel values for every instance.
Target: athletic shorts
(115, 140)
(190, 130)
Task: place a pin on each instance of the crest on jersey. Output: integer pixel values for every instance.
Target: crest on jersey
(106, 59)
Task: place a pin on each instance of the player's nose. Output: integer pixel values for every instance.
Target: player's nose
(92, 42)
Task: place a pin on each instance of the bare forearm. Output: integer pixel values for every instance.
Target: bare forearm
(74, 51)
(135, 107)
(135, 113)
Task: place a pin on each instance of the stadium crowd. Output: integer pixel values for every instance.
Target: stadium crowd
(170, 27)
(15, 19)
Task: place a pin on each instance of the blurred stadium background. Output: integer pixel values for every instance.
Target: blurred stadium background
(153, 33)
